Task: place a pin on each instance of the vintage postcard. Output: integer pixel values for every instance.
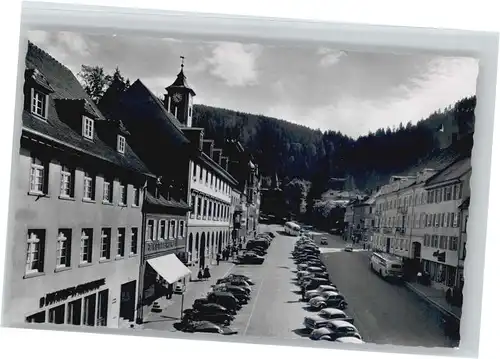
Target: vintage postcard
(209, 188)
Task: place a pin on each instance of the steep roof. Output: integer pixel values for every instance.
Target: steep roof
(65, 88)
(181, 82)
(163, 202)
(452, 172)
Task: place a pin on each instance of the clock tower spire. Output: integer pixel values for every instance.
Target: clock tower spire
(179, 98)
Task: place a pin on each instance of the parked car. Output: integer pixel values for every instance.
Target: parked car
(314, 283)
(240, 276)
(250, 258)
(207, 327)
(302, 273)
(328, 299)
(334, 330)
(324, 316)
(315, 269)
(351, 340)
(257, 243)
(204, 305)
(214, 317)
(348, 248)
(324, 241)
(239, 293)
(235, 281)
(225, 299)
(271, 234)
(257, 250)
(321, 289)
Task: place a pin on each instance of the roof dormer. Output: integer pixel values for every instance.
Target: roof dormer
(37, 91)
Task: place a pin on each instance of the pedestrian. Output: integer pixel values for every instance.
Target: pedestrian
(206, 273)
(200, 274)
(170, 290)
(218, 258)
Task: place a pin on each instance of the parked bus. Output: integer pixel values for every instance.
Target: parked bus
(387, 265)
(292, 228)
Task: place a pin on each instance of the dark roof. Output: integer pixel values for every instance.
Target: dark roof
(163, 202)
(138, 103)
(66, 87)
(217, 168)
(452, 172)
(181, 82)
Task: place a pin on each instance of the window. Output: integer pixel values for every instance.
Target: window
(120, 252)
(198, 206)
(195, 168)
(453, 244)
(89, 306)
(123, 194)
(204, 208)
(135, 196)
(63, 253)
(35, 252)
(56, 315)
(107, 191)
(443, 223)
(434, 241)
(172, 233)
(86, 241)
(443, 241)
(150, 230)
(88, 186)
(74, 313)
(105, 243)
(162, 229)
(120, 146)
(38, 103)
(133, 240)
(38, 176)
(67, 181)
(209, 209)
(456, 220)
(201, 174)
(181, 229)
(426, 240)
(102, 308)
(88, 128)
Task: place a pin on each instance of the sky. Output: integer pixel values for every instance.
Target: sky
(318, 87)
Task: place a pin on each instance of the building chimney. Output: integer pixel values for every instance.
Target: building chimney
(224, 162)
(208, 147)
(217, 154)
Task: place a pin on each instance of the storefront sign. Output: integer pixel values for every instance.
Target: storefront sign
(64, 294)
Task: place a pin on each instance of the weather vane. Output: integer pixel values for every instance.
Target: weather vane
(182, 61)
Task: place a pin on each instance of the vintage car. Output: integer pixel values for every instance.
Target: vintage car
(240, 282)
(237, 276)
(207, 327)
(239, 293)
(324, 240)
(250, 258)
(302, 273)
(335, 329)
(204, 305)
(225, 299)
(314, 283)
(214, 317)
(348, 248)
(328, 299)
(270, 234)
(350, 340)
(321, 289)
(324, 317)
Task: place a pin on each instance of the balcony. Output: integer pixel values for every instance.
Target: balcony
(169, 245)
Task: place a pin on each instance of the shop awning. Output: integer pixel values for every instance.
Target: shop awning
(169, 267)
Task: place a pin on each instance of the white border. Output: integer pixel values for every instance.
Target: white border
(443, 13)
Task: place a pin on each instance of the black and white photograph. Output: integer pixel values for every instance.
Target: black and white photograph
(303, 192)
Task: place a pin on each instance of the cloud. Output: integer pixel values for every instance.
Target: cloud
(235, 63)
(330, 57)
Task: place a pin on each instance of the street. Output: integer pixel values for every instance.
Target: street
(383, 312)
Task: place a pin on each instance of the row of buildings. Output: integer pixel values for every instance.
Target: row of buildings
(114, 202)
(421, 219)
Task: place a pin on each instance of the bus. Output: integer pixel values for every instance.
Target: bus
(292, 228)
(386, 265)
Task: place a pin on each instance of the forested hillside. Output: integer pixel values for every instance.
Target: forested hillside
(294, 151)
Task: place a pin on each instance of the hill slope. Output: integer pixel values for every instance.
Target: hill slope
(294, 151)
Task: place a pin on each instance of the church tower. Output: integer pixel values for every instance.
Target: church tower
(179, 98)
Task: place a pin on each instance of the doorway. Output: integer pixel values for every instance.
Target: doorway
(127, 301)
(417, 250)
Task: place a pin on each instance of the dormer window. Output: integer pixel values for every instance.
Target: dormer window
(121, 144)
(88, 128)
(38, 103)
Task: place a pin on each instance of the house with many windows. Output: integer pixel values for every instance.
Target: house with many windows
(77, 197)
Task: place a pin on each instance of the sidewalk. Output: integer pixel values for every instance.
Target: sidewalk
(435, 297)
(171, 308)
